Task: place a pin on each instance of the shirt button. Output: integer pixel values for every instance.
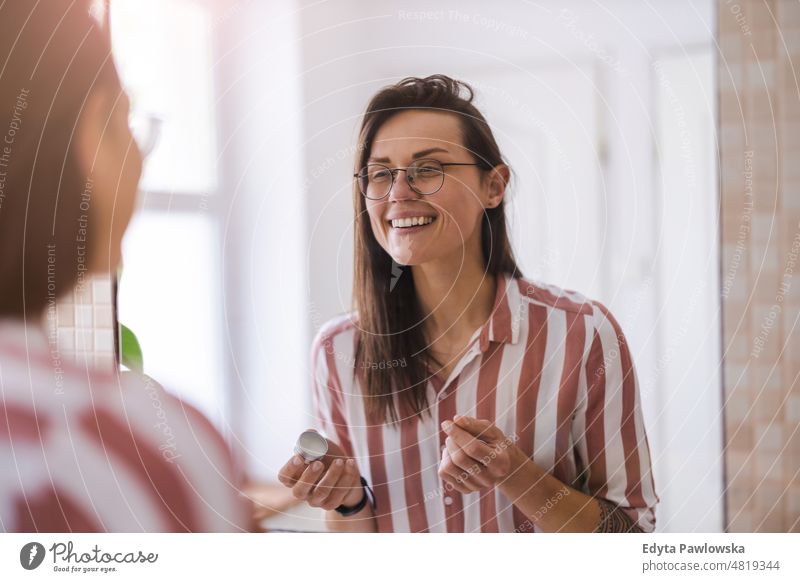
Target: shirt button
(448, 500)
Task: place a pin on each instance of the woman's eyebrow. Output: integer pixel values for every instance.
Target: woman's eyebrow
(419, 154)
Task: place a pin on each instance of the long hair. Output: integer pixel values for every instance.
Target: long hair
(52, 56)
(389, 313)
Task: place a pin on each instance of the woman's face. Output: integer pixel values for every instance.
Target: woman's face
(456, 209)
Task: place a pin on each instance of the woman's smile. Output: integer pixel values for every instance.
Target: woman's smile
(410, 225)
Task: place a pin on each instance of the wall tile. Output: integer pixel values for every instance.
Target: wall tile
(762, 409)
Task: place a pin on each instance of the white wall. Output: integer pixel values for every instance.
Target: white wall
(685, 381)
(264, 228)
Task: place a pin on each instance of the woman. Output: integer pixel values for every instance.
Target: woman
(81, 450)
(467, 397)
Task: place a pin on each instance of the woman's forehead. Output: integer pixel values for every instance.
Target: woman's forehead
(411, 131)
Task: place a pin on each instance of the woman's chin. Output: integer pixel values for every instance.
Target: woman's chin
(406, 259)
(403, 261)
(405, 250)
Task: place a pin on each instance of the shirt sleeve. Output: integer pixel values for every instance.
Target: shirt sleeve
(327, 394)
(610, 438)
(207, 473)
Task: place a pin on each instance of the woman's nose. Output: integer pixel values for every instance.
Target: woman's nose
(400, 188)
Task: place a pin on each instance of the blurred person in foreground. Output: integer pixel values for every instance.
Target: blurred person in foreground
(82, 449)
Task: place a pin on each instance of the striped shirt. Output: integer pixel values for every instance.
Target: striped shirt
(86, 451)
(550, 368)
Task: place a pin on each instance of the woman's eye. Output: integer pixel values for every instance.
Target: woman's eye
(379, 176)
(427, 172)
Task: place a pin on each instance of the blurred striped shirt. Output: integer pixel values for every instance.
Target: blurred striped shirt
(550, 368)
(87, 451)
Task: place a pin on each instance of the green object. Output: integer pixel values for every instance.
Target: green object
(131, 351)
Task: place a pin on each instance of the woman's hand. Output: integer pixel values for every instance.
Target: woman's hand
(477, 455)
(328, 484)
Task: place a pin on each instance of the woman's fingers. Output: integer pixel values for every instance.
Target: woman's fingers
(327, 485)
(482, 429)
(469, 469)
(470, 454)
(291, 471)
(307, 480)
(453, 475)
(474, 447)
(321, 487)
(484, 442)
(327, 488)
(350, 479)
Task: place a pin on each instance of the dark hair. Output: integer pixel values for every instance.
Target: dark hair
(53, 55)
(389, 318)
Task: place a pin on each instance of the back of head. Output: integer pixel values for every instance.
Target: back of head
(52, 56)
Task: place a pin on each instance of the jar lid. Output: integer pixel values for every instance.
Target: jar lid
(311, 446)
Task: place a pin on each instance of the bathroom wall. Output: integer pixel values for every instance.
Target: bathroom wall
(85, 324)
(760, 218)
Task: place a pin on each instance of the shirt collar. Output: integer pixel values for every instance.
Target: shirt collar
(504, 321)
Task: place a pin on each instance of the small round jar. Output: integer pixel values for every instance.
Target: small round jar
(311, 445)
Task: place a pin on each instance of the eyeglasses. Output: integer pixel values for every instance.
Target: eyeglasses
(424, 177)
(146, 130)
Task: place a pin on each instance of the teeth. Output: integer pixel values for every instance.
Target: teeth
(413, 221)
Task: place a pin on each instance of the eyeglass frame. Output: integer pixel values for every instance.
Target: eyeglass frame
(394, 172)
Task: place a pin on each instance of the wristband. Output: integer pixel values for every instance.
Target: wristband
(368, 496)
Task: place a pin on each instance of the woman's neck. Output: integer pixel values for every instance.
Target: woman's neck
(457, 299)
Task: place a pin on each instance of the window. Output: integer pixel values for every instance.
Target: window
(169, 293)
(166, 65)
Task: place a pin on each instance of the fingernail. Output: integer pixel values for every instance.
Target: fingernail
(317, 465)
(446, 425)
(457, 417)
(351, 462)
(338, 462)
(296, 461)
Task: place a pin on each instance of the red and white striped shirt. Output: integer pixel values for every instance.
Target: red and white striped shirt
(550, 368)
(86, 451)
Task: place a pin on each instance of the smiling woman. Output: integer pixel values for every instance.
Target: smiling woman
(408, 124)
(519, 409)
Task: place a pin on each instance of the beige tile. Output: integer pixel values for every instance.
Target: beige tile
(101, 287)
(788, 13)
(103, 341)
(791, 409)
(66, 339)
(83, 316)
(741, 521)
(104, 361)
(66, 314)
(103, 316)
(772, 520)
(83, 292)
(84, 340)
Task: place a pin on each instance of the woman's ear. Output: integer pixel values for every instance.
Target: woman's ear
(93, 122)
(499, 177)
